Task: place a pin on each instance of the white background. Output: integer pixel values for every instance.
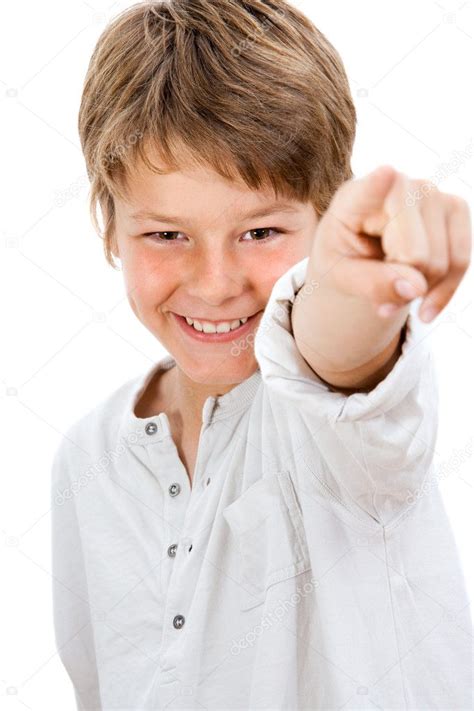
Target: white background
(69, 335)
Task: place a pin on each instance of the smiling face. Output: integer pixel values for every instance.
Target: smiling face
(212, 250)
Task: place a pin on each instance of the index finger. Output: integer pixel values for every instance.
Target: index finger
(358, 204)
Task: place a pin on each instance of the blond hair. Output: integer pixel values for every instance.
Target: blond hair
(250, 88)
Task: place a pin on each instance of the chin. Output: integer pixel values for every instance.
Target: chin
(225, 371)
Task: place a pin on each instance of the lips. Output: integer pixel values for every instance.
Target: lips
(215, 338)
(210, 320)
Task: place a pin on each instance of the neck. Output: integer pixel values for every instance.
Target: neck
(186, 398)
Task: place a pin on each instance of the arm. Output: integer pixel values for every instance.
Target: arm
(372, 238)
(372, 450)
(323, 338)
(359, 375)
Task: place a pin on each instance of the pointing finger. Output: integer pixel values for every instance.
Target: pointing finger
(358, 204)
(380, 282)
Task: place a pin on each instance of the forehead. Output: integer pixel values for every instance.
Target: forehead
(192, 189)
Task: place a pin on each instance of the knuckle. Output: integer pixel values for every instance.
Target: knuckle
(460, 264)
(458, 203)
(426, 185)
(418, 259)
(421, 188)
(412, 254)
(437, 268)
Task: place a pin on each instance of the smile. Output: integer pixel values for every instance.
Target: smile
(215, 326)
(216, 331)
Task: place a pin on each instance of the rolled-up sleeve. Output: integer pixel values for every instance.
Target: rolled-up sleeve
(375, 449)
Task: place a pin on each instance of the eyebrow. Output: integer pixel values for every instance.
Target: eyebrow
(142, 215)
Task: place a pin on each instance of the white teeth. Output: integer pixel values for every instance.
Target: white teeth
(223, 327)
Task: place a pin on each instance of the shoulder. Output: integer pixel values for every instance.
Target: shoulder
(98, 429)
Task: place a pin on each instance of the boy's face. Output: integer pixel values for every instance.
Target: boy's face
(214, 262)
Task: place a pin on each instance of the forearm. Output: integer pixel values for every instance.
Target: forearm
(342, 337)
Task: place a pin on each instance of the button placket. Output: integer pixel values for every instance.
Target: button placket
(185, 543)
(170, 474)
(179, 595)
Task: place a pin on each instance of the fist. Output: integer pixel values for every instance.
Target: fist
(391, 239)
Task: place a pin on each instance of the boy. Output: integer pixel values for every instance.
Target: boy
(239, 526)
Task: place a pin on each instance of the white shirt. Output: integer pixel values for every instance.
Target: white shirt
(310, 566)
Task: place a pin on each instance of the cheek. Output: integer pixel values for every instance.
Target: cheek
(146, 280)
(268, 269)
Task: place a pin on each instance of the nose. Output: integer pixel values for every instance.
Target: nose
(215, 275)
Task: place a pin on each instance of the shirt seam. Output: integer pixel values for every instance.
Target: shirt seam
(367, 470)
(411, 508)
(236, 410)
(392, 611)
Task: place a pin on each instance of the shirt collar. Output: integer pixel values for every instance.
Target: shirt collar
(147, 430)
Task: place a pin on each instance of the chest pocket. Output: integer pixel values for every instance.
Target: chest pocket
(267, 524)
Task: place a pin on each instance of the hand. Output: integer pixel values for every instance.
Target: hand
(392, 239)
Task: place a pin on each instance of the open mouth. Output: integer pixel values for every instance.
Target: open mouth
(230, 335)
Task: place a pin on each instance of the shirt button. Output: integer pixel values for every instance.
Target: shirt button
(174, 489)
(172, 550)
(178, 622)
(151, 428)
